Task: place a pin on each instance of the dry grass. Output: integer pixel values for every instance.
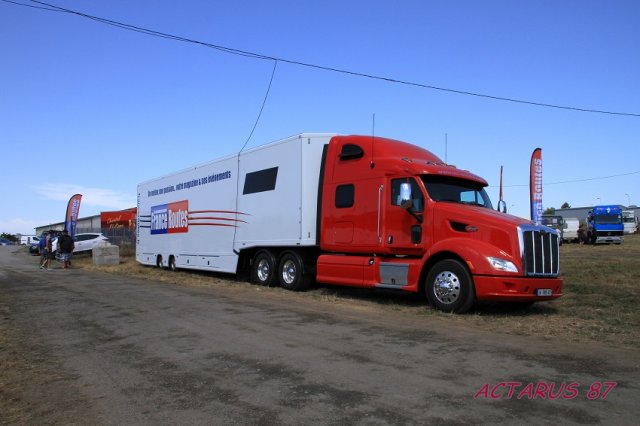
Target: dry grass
(601, 301)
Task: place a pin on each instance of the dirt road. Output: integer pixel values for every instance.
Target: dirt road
(78, 347)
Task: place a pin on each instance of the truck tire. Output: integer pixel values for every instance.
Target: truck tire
(291, 272)
(263, 268)
(450, 287)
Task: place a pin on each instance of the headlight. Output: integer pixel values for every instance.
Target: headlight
(502, 264)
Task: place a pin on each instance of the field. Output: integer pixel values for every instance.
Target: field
(600, 304)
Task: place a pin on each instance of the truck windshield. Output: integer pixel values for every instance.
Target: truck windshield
(552, 220)
(608, 218)
(447, 189)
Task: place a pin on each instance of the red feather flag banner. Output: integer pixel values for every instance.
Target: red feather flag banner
(535, 186)
(73, 210)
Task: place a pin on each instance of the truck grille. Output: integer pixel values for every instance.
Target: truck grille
(540, 248)
(609, 233)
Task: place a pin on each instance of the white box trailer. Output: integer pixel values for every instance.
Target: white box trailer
(570, 229)
(202, 217)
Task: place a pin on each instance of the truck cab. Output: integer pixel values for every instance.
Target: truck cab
(555, 222)
(411, 222)
(605, 225)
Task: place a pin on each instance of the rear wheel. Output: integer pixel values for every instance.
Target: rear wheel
(291, 272)
(159, 261)
(172, 263)
(263, 269)
(450, 287)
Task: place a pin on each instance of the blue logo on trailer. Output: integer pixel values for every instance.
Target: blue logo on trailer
(159, 219)
(170, 218)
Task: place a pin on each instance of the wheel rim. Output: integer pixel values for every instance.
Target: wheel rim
(446, 287)
(289, 272)
(263, 270)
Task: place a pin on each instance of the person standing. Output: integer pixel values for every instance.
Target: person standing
(42, 247)
(582, 233)
(65, 246)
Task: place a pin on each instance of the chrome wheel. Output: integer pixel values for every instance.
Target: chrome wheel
(263, 270)
(446, 287)
(289, 272)
(449, 286)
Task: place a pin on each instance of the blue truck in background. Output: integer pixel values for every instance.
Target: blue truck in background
(605, 225)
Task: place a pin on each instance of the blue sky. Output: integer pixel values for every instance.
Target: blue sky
(104, 108)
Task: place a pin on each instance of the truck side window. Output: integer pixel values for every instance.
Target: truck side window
(417, 199)
(350, 152)
(345, 196)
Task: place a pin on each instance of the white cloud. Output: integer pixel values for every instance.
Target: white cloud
(106, 199)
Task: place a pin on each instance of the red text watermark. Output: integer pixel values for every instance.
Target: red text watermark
(545, 390)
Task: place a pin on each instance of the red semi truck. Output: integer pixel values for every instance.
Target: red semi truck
(347, 210)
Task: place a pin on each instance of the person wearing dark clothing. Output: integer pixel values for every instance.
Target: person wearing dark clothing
(582, 233)
(65, 247)
(44, 246)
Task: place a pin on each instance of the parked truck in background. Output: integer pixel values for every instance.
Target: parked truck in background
(357, 211)
(605, 225)
(630, 221)
(554, 222)
(570, 229)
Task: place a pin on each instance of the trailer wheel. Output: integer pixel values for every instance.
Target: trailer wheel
(172, 263)
(291, 272)
(263, 269)
(450, 287)
(159, 261)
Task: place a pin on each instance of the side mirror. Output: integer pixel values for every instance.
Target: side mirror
(405, 195)
(405, 201)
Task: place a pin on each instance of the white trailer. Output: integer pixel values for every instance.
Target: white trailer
(570, 229)
(630, 221)
(205, 216)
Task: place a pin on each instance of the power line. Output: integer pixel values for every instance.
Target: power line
(264, 101)
(576, 180)
(29, 5)
(50, 7)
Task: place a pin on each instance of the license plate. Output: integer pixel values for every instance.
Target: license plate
(544, 292)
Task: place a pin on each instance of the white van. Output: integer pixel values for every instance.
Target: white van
(29, 239)
(570, 229)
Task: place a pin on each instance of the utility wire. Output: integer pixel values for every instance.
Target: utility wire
(50, 7)
(575, 180)
(29, 5)
(266, 95)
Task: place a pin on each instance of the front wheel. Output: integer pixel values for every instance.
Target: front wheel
(450, 287)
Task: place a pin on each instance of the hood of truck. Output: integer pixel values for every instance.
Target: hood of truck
(487, 227)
